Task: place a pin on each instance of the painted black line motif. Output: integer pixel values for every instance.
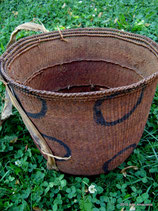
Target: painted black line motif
(106, 164)
(68, 151)
(37, 115)
(98, 116)
(42, 112)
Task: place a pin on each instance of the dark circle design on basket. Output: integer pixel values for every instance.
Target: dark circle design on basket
(37, 115)
(42, 112)
(68, 151)
(98, 116)
(106, 164)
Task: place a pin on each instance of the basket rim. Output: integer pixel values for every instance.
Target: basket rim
(68, 33)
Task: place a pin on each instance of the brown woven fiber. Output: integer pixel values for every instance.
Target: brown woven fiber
(88, 91)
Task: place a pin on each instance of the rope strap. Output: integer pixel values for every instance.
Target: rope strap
(56, 157)
(40, 141)
(61, 35)
(32, 129)
(11, 99)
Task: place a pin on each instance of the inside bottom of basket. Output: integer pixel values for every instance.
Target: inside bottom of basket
(82, 88)
(82, 76)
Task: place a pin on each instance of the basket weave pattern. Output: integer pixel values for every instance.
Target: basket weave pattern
(52, 80)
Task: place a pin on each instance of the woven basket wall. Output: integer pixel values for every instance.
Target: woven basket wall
(89, 95)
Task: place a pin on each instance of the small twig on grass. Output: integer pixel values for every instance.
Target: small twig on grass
(123, 171)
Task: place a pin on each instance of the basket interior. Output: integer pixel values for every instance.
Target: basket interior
(82, 76)
(81, 64)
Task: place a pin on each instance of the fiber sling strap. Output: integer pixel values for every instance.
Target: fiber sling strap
(11, 99)
(32, 129)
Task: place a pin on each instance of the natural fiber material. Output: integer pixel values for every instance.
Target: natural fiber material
(89, 97)
(31, 128)
(26, 26)
(11, 99)
(7, 110)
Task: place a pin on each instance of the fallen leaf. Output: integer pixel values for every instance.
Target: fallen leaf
(7, 110)
(64, 5)
(17, 182)
(37, 209)
(15, 12)
(13, 141)
(147, 24)
(100, 14)
(116, 19)
(26, 147)
(69, 12)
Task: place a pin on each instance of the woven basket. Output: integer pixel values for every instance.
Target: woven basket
(87, 91)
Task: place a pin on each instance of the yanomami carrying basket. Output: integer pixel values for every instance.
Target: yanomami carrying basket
(87, 91)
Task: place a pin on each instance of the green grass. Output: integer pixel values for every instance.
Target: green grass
(25, 183)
